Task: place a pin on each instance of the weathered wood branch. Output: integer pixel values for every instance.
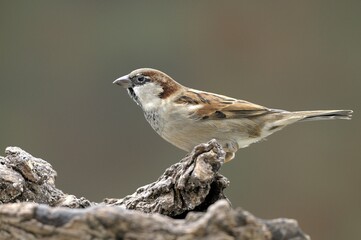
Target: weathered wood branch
(186, 202)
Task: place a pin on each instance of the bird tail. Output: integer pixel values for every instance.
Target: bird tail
(324, 115)
(286, 118)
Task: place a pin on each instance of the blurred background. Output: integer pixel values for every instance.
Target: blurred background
(57, 100)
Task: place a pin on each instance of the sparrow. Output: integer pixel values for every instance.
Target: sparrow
(187, 117)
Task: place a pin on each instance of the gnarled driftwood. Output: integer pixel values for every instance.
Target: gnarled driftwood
(186, 202)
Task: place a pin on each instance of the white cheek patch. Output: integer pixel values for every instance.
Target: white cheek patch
(148, 95)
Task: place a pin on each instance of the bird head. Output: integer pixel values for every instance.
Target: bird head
(148, 87)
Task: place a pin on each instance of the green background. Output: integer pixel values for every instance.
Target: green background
(58, 60)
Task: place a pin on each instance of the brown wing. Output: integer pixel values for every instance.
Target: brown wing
(215, 107)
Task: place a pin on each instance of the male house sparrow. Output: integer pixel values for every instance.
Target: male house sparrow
(186, 117)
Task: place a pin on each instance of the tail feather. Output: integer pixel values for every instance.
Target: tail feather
(325, 115)
(287, 118)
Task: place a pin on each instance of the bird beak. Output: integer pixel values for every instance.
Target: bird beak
(124, 81)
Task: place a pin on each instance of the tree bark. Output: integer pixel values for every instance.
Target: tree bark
(186, 202)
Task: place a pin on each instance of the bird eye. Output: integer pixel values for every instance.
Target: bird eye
(141, 79)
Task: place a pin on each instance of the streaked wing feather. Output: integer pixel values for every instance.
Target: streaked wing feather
(215, 107)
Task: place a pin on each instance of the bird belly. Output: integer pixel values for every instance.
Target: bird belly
(187, 133)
